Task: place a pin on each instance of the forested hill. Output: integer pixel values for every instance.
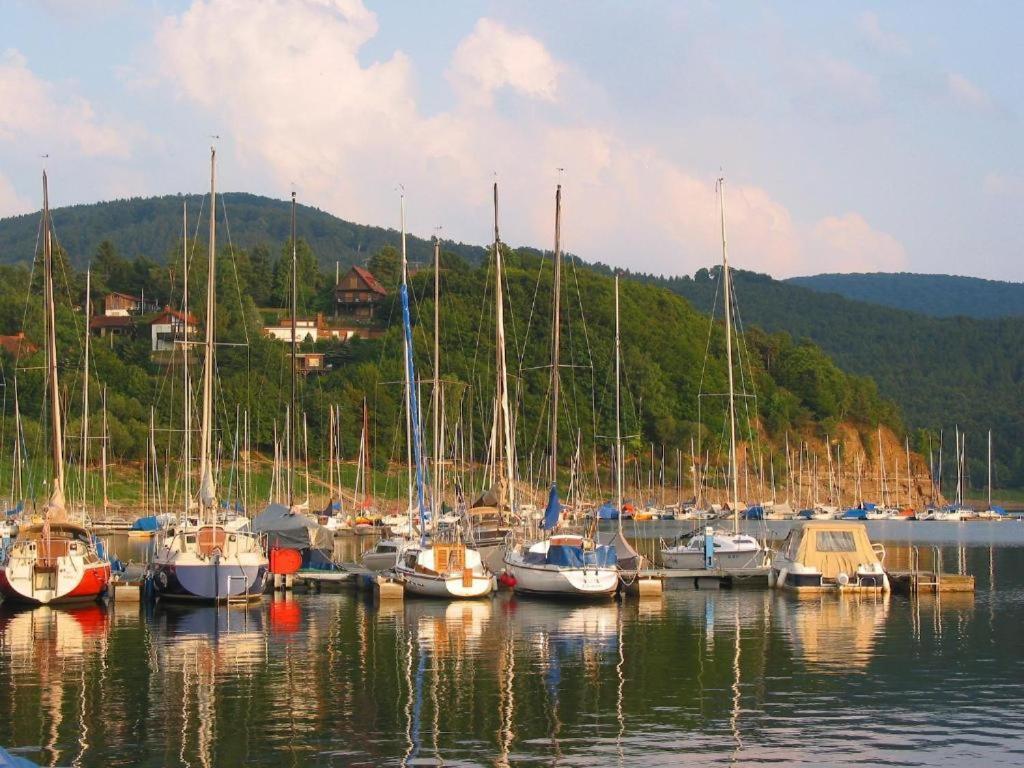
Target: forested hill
(934, 295)
(941, 371)
(151, 227)
(800, 391)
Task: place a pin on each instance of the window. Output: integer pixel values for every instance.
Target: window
(836, 541)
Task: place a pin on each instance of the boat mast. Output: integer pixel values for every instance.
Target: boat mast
(56, 424)
(413, 434)
(206, 488)
(293, 412)
(187, 387)
(436, 393)
(556, 324)
(103, 452)
(618, 427)
(990, 469)
(910, 500)
(85, 393)
(504, 450)
(406, 352)
(726, 289)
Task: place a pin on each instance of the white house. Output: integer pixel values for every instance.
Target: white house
(168, 328)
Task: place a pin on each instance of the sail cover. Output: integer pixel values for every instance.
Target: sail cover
(553, 510)
(291, 530)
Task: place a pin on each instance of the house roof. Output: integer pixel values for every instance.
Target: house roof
(168, 313)
(18, 344)
(123, 295)
(112, 321)
(371, 282)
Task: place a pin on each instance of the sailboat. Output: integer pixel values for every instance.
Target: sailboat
(207, 562)
(955, 512)
(443, 565)
(726, 551)
(57, 560)
(991, 512)
(286, 526)
(558, 564)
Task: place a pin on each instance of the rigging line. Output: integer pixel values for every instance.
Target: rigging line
(234, 266)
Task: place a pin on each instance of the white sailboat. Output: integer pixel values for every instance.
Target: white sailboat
(444, 564)
(726, 551)
(558, 564)
(991, 512)
(57, 560)
(207, 562)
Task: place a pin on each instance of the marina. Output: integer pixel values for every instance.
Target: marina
(689, 677)
(488, 384)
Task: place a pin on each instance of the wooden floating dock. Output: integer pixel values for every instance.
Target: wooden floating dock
(929, 582)
(708, 578)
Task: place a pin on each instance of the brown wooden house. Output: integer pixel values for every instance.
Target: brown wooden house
(358, 294)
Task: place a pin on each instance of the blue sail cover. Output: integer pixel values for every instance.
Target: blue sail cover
(607, 511)
(552, 511)
(856, 513)
(414, 409)
(148, 523)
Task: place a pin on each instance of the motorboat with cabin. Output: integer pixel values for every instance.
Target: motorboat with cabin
(835, 555)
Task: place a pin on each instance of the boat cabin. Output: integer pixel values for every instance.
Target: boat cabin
(830, 554)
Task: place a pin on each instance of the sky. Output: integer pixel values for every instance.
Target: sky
(853, 137)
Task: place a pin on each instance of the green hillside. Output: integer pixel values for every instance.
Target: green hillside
(934, 295)
(941, 371)
(151, 227)
(799, 389)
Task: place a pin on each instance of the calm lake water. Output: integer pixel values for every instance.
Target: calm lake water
(734, 677)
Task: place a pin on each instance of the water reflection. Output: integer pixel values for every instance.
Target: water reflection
(718, 677)
(834, 633)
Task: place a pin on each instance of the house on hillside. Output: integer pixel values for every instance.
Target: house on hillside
(358, 294)
(168, 329)
(117, 304)
(17, 345)
(309, 329)
(109, 326)
(310, 362)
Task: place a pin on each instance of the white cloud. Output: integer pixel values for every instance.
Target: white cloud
(848, 243)
(966, 93)
(493, 57)
(1003, 185)
(39, 112)
(881, 39)
(287, 84)
(11, 203)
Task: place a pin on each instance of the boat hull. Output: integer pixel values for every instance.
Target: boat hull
(210, 581)
(426, 585)
(814, 583)
(693, 560)
(65, 583)
(556, 581)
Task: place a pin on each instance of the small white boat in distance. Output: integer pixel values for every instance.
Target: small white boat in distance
(564, 564)
(444, 570)
(732, 552)
(825, 556)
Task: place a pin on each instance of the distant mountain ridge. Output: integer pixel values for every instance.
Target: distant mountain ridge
(934, 295)
(941, 371)
(151, 227)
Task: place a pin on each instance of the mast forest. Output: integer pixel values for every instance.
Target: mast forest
(795, 390)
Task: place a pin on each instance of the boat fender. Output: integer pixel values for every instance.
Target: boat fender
(781, 581)
(842, 579)
(771, 579)
(507, 579)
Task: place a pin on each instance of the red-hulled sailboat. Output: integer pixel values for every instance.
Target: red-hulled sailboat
(55, 560)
